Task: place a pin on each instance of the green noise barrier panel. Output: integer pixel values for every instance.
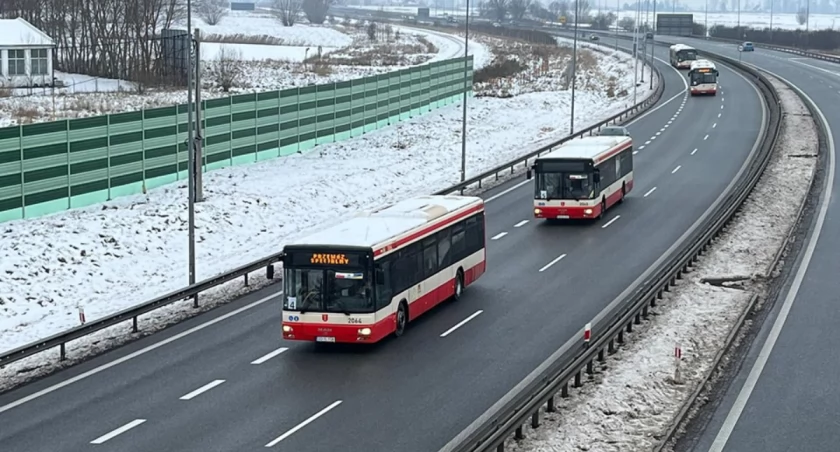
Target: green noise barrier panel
(54, 166)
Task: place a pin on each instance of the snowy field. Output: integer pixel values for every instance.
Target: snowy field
(636, 399)
(348, 54)
(748, 19)
(111, 256)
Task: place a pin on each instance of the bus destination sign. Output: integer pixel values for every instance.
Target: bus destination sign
(329, 259)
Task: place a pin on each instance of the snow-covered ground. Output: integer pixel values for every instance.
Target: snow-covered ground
(248, 38)
(120, 253)
(635, 398)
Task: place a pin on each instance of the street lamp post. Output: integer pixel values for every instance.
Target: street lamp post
(190, 154)
(574, 68)
(466, 91)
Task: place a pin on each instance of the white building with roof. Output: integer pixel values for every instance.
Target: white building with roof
(26, 54)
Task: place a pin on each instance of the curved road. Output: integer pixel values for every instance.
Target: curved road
(419, 391)
(785, 396)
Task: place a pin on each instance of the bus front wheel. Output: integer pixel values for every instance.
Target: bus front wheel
(603, 209)
(402, 319)
(623, 193)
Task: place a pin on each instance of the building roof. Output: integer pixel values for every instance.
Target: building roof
(20, 33)
(587, 147)
(386, 225)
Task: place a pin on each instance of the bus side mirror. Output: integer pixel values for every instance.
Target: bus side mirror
(528, 174)
(596, 176)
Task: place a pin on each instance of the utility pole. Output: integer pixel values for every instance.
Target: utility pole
(617, 14)
(199, 160)
(574, 68)
(190, 155)
(466, 86)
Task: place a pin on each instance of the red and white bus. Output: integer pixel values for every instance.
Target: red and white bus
(583, 177)
(682, 55)
(703, 76)
(366, 278)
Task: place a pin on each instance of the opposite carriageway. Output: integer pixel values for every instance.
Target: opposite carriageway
(782, 391)
(417, 392)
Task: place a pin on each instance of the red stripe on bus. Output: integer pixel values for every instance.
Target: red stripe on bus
(428, 229)
(613, 152)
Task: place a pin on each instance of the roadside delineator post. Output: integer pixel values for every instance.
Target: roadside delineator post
(587, 334)
(81, 315)
(677, 359)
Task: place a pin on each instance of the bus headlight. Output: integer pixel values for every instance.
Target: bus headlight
(587, 212)
(364, 331)
(537, 211)
(287, 329)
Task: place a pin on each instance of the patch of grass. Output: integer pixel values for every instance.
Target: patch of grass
(498, 69)
(240, 38)
(430, 48)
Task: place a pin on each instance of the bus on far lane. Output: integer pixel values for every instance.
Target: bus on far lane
(682, 55)
(582, 178)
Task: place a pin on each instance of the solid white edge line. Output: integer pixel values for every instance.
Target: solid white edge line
(611, 221)
(201, 390)
(767, 348)
(649, 192)
(556, 260)
(117, 432)
(133, 355)
(268, 356)
(575, 339)
(461, 323)
(521, 223)
(498, 236)
(676, 169)
(304, 423)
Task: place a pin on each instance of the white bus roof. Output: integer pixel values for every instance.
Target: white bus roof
(386, 226)
(697, 64)
(588, 148)
(678, 47)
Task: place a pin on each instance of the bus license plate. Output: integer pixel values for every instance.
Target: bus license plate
(562, 217)
(324, 339)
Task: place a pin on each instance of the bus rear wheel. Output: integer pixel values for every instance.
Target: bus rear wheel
(402, 319)
(459, 285)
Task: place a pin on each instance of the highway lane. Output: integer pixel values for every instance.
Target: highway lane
(785, 396)
(417, 392)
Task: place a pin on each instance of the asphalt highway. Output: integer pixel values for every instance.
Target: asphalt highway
(785, 395)
(225, 381)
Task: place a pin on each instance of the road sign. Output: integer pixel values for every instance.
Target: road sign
(562, 19)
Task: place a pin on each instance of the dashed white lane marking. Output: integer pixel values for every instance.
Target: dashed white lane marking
(498, 236)
(202, 390)
(556, 260)
(658, 133)
(714, 125)
(706, 137)
(670, 122)
(722, 99)
(635, 152)
(694, 151)
(647, 142)
(719, 114)
(662, 129)
(268, 356)
(520, 224)
(461, 323)
(721, 107)
(649, 192)
(304, 423)
(118, 431)
(641, 147)
(676, 169)
(652, 138)
(611, 221)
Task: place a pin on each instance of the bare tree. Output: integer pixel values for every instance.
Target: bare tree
(226, 70)
(212, 11)
(498, 8)
(316, 10)
(802, 16)
(627, 23)
(287, 11)
(582, 9)
(518, 8)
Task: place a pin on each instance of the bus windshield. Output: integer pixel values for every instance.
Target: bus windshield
(564, 185)
(328, 290)
(702, 78)
(687, 55)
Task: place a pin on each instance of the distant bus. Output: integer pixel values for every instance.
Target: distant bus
(583, 177)
(682, 56)
(367, 277)
(703, 77)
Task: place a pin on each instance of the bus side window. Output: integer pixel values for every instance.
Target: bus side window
(384, 288)
(444, 246)
(475, 235)
(459, 244)
(430, 265)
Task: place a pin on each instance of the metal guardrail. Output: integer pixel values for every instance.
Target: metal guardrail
(525, 406)
(61, 339)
